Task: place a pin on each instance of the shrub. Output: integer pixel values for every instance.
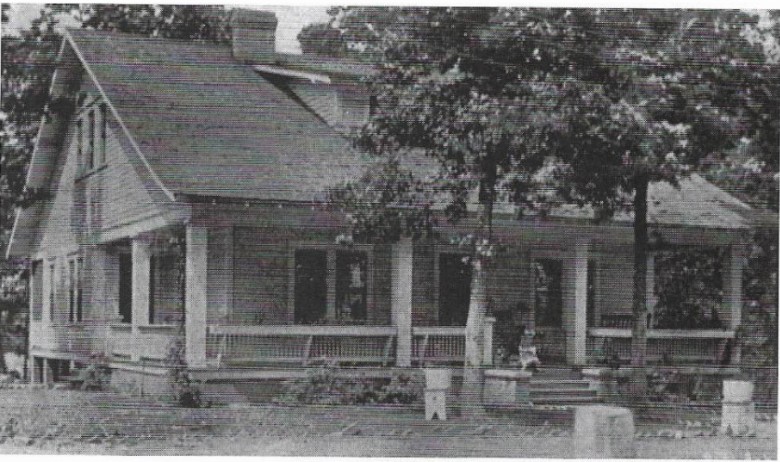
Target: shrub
(186, 391)
(97, 375)
(324, 386)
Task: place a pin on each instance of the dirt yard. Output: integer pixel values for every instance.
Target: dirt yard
(42, 421)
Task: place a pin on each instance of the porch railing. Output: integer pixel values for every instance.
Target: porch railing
(438, 345)
(296, 344)
(148, 343)
(678, 346)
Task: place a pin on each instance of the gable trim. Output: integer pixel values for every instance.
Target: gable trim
(38, 135)
(126, 131)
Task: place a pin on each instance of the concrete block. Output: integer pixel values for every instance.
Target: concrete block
(603, 432)
(738, 419)
(738, 413)
(506, 388)
(435, 404)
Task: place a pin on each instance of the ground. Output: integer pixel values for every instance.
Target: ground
(46, 421)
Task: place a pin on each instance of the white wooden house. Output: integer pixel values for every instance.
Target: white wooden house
(232, 149)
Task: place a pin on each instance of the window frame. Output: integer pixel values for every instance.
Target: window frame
(92, 140)
(331, 252)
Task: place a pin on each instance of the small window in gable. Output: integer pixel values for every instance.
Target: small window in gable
(80, 145)
(91, 140)
(103, 133)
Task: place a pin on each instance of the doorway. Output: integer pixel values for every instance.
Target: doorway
(548, 311)
(454, 289)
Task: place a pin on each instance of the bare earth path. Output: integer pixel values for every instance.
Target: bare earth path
(61, 421)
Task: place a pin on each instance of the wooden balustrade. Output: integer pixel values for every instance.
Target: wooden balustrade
(149, 343)
(438, 345)
(252, 345)
(663, 345)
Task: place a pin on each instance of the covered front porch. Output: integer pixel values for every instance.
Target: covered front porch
(283, 295)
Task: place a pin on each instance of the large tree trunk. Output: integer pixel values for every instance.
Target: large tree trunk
(639, 333)
(471, 392)
(3, 366)
(476, 317)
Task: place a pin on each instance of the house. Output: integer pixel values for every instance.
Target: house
(186, 186)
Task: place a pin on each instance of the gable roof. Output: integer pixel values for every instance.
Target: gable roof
(211, 126)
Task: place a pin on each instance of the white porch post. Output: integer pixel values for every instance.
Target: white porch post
(576, 305)
(195, 295)
(141, 256)
(733, 284)
(401, 300)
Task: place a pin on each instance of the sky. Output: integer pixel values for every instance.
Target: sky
(292, 18)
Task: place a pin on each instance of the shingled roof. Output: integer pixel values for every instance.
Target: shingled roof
(209, 125)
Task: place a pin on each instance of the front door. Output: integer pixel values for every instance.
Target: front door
(454, 289)
(548, 311)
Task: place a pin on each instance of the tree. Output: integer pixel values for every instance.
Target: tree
(670, 85)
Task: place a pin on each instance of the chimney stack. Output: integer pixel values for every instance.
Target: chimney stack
(254, 36)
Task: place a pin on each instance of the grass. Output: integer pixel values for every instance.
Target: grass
(75, 422)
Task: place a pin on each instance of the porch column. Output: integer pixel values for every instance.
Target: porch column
(195, 295)
(141, 255)
(732, 284)
(401, 300)
(576, 305)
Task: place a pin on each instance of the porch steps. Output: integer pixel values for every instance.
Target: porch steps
(560, 387)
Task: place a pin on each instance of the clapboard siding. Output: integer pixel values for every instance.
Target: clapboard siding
(123, 195)
(260, 277)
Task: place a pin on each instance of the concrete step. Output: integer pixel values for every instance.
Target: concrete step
(559, 384)
(561, 392)
(561, 400)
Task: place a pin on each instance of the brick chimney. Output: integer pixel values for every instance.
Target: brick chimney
(254, 36)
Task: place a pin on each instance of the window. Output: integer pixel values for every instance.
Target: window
(103, 133)
(548, 310)
(80, 144)
(79, 288)
(71, 290)
(75, 312)
(36, 290)
(591, 294)
(351, 287)
(311, 287)
(165, 298)
(454, 289)
(331, 286)
(52, 290)
(91, 140)
(125, 288)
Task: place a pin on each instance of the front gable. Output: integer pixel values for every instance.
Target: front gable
(98, 187)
